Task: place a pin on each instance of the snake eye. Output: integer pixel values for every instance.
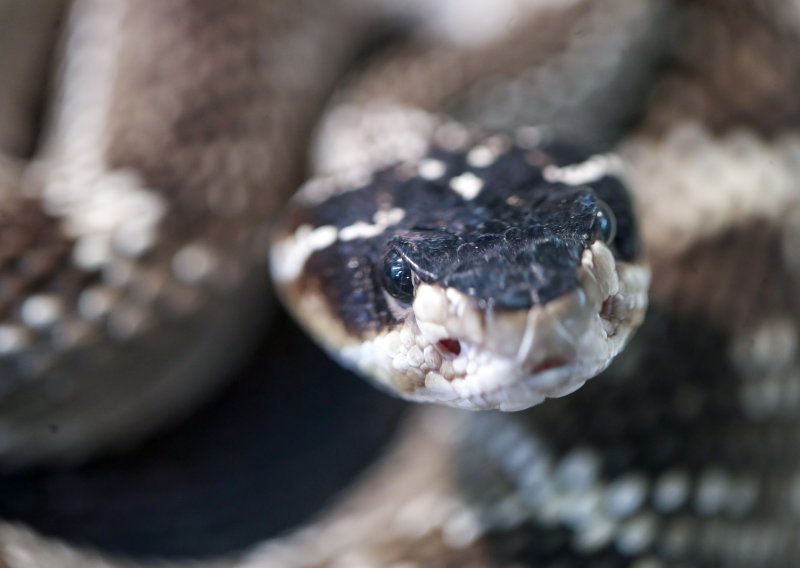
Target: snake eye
(605, 222)
(398, 278)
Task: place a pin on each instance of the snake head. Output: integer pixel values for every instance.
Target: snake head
(488, 277)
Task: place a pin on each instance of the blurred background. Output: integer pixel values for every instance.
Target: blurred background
(155, 400)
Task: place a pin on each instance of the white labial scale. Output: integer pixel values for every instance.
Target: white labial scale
(395, 359)
(605, 269)
(508, 360)
(415, 357)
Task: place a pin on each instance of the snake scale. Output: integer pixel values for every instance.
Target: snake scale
(142, 179)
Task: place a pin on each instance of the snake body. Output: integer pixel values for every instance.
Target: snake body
(681, 453)
(121, 306)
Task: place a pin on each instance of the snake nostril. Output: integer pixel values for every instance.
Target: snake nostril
(449, 346)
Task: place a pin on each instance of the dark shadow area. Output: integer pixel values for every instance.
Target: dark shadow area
(290, 433)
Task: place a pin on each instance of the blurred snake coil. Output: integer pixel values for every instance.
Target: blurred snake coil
(148, 149)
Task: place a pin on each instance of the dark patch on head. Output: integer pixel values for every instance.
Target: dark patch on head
(506, 257)
(518, 243)
(614, 194)
(349, 278)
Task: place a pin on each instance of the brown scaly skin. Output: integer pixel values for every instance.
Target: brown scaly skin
(148, 95)
(684, 453)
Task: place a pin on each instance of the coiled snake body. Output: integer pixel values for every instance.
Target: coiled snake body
(134, 246)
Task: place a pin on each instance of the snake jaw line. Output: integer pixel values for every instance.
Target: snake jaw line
(475, 276)
(508, 360)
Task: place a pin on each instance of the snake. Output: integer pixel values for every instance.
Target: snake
(499, 192)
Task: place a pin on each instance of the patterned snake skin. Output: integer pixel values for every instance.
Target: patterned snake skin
(133, 248)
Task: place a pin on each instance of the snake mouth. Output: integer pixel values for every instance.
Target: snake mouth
(547, 365)
(514, 359)
(449, 346)
(448, 349)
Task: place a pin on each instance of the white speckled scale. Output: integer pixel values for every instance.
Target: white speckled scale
(143, 283)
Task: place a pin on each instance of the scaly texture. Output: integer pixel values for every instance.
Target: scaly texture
(134, 245)
(683, 452)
